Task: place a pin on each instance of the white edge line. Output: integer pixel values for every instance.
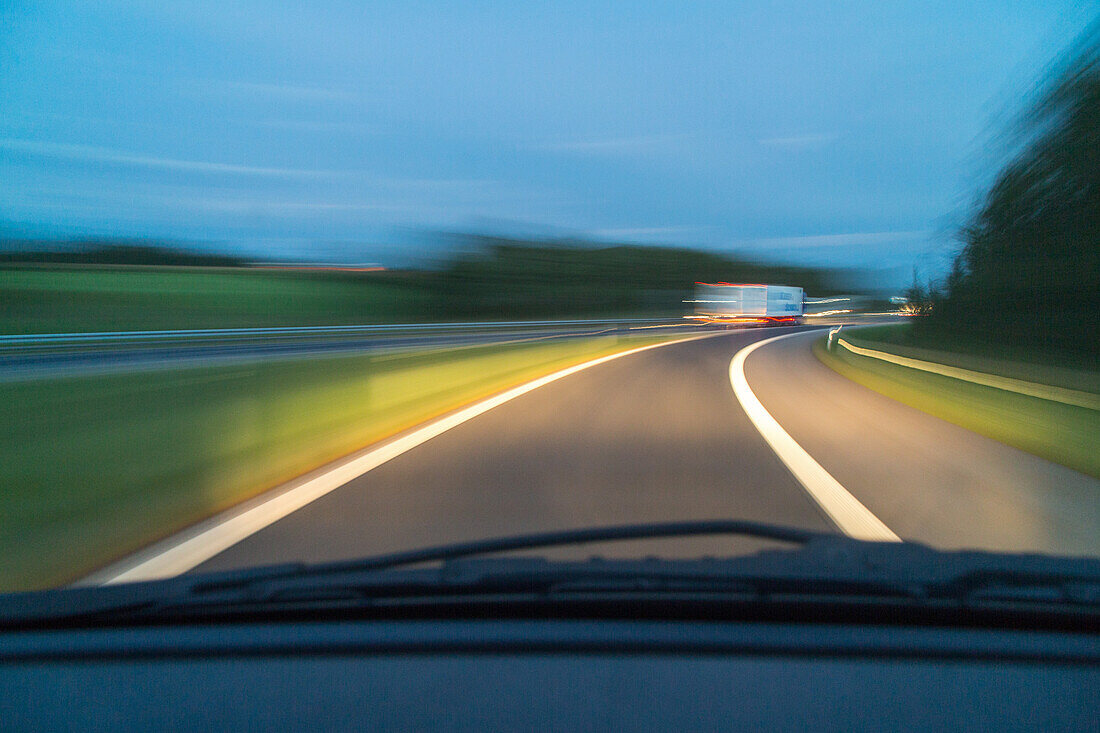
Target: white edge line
(845, 510)
(190, 548)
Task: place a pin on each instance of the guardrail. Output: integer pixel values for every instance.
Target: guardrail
(1019, 386)
(384, 328)
(35, 356)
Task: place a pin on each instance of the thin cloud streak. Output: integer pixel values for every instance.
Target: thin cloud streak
(282, 208)
(644, 232)
(834, 240)
(800, 141)
(613, 145)
(92, 154)
(289, 92)
(308, 126)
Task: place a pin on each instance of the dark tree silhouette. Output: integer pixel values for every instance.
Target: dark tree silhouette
(1029, 271)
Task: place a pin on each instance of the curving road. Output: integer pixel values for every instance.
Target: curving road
(659, 435)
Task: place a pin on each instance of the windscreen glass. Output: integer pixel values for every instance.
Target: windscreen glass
(303, 282)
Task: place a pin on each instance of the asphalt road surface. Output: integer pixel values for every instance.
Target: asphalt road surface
(658, 436)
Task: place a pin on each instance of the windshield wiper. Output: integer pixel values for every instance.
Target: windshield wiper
(825, 568)
(542, 540)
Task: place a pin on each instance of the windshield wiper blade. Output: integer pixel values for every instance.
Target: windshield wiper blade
(613, 533)
(824, 567)
(149, 596)
(824, 562)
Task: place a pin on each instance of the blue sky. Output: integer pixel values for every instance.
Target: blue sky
(846, 133)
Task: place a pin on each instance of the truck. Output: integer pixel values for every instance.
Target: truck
(747, 303)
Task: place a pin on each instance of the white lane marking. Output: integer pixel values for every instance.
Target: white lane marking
(190, 548)
(844, 509)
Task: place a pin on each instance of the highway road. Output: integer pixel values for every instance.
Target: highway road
(659, 435)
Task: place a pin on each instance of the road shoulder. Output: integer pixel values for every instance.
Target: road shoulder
(925, 478)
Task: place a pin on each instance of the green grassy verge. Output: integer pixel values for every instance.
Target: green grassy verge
(1061, 433)
(81, 298)
(61, 299)
(93, 468)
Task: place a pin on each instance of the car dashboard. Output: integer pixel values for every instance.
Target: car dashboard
(548, 674)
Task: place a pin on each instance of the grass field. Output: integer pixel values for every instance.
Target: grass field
(58, 298)
(93, 468)
(1061, 433)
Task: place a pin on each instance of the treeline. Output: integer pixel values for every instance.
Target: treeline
(109, 252)
(487, 278)
(1029, 270)
(507, 278)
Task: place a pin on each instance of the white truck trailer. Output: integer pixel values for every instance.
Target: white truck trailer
(743, 303)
